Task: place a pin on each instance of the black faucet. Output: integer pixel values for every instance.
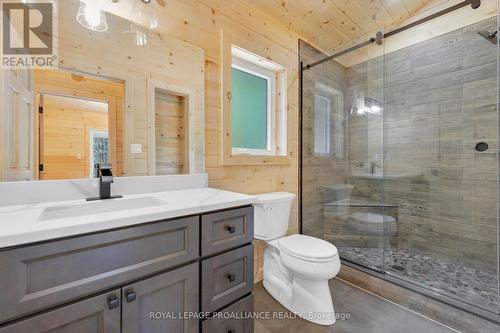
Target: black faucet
(105, 179)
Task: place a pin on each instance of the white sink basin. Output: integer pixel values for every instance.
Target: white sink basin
(98, 207)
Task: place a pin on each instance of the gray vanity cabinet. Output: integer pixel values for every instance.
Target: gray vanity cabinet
(159, 304)
(100, 314)
(45, 275)
(139, 279)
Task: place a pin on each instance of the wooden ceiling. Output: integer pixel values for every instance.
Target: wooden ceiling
(330, 24)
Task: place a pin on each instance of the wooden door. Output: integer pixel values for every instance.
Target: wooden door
(155, 304)
(18, 125)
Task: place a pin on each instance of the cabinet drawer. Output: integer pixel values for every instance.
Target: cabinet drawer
(226, 277)
(225, 230)
(235, 318)
(100, 314)
(41, 276)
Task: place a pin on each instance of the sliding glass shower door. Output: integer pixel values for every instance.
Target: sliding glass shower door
(400, 160)
(341, 97)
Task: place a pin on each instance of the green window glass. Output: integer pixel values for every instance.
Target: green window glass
(248, 110)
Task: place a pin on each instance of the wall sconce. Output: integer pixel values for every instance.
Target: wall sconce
(91, 16)
(372, 105)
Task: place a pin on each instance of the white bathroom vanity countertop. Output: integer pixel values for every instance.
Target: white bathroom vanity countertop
(29, 223)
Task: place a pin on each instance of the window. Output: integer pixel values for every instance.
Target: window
(258, 120)
(322, 125)
(328, 121)
(99, 150)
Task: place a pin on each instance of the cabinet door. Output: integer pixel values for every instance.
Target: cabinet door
(158, 304)
(100, 314)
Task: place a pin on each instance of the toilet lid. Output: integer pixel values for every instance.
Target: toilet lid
(275, 197)
(307, 247)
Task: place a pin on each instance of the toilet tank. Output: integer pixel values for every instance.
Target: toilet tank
(272, 213)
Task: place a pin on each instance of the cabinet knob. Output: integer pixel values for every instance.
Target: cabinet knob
(113, 302)
(231, 277)
(231, 229)
(130, 296)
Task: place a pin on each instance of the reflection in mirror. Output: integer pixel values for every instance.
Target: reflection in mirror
(73, 137)
(16, 125)
(140, 108)
(169, 133)
(79, 124)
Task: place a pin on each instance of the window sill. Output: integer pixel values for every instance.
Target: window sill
(246, 159)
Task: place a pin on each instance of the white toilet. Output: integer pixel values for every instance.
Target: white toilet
(296, 268)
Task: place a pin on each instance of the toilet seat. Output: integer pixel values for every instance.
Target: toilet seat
(308, 248)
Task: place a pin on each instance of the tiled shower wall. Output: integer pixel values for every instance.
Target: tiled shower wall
(440, 100)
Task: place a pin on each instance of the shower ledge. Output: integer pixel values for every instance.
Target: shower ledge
(358, 202)
(387, 176)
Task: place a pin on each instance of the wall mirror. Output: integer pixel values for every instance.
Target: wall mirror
(122, 94)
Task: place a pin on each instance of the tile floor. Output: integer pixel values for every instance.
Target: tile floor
(453, 279)
(368, 314)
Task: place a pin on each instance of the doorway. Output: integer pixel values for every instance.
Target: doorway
(80, 124)
(73, 137)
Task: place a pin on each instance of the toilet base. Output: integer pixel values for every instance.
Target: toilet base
(308, 299)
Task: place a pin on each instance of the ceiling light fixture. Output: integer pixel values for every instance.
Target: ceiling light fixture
(372, 105)
(91, 16)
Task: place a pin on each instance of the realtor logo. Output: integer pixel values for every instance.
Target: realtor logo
(28, 34)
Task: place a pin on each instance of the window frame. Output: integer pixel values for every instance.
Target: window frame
(232, 45)
(270, 77)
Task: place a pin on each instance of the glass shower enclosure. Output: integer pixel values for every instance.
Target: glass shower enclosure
(399, 163)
